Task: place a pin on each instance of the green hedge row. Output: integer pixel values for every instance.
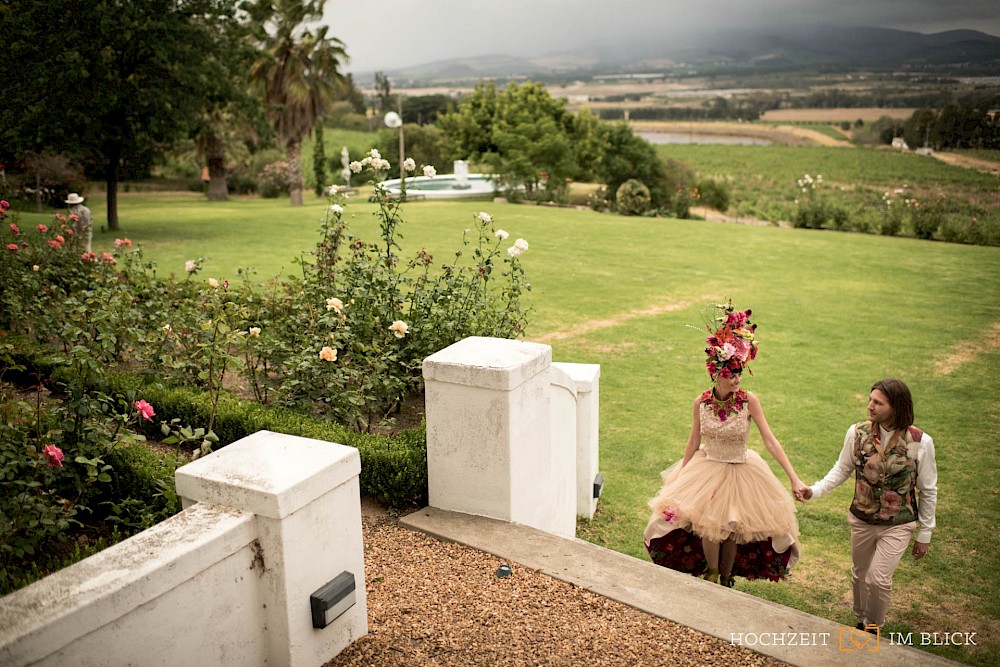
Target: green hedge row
(393, 468)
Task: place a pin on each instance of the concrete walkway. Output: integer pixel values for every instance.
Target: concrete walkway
(763, 626)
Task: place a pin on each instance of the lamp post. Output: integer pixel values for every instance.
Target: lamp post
(394, 120)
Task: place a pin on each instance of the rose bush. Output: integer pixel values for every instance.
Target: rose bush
(345, 342)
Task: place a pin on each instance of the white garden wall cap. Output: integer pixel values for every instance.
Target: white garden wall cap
(267, 473)
(77, 600)
(584, 375)
(560, 378)
(490, 363)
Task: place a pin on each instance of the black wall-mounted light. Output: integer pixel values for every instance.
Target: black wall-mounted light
(332, 600)
(598, 485)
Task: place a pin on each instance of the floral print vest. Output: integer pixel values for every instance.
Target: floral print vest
(885, 475)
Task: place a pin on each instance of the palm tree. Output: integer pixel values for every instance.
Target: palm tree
(297, 73)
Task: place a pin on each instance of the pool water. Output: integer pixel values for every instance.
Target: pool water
(443, 186)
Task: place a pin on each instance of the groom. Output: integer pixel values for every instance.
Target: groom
(895, 495)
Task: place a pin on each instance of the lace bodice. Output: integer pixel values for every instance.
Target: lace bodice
(725, 441)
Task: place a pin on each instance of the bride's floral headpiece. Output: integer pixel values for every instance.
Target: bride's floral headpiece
(731, 341)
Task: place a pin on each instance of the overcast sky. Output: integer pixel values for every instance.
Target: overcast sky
(385, 34)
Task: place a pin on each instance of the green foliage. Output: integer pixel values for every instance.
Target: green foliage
(356, 328)
(714, 193)
(296, 72)
(632, 198)
(423, 144)
(424, 109)
(142, 491)
(344, 343)
(117, 61)
(272, 182)
(528, 138)
(856, 182)
(626, 156)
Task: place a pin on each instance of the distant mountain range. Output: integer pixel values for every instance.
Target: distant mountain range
(956, 52)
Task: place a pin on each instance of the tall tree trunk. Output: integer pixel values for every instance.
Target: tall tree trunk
(319, 160)
(294, 148)
(111, 179)
(215, 154)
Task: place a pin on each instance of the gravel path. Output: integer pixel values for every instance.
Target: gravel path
(437, 603)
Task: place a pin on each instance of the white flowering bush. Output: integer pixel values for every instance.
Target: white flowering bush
(813, 210)
(349, 340)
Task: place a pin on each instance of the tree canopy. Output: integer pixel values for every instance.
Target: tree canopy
(109, 81)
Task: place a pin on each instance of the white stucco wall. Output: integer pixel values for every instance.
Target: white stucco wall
(182, 592)
(267, 521)
(586, 382)
(502, 433)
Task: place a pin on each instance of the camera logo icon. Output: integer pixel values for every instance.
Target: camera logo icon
(853, 640)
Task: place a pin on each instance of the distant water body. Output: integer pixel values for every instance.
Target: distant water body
(695, 138)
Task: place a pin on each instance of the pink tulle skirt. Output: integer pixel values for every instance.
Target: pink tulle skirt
(714, 501)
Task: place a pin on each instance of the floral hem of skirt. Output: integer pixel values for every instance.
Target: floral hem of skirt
(681, 550)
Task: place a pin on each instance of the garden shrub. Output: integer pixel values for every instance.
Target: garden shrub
(927, 220)
(272, 181)
(840, 218)
(142, 491)
(714, 194)
(812, 211)
(632, 198)
(891, 224)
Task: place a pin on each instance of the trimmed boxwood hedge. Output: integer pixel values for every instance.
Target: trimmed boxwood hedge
(393, 468)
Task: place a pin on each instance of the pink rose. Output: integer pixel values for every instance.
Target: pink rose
(55, 456)
(42, 228)
(145, 409)
(14, 228)
(55, 244)
(891, 504)
(4, 204)
(12, 247)
(74, 217)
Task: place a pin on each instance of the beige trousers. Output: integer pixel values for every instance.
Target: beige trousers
(875, 553)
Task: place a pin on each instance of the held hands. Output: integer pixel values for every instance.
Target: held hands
(801, 491)
(920, 549)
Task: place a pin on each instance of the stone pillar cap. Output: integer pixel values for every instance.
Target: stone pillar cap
(269, 474)
(491, 363)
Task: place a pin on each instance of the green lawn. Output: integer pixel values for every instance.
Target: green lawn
(836, 312)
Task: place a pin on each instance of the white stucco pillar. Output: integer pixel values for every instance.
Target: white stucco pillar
(586, 382)
(489, 445)
(306, 500)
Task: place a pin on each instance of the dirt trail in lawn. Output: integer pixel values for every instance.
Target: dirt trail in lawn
(594, 325)
(966, 351)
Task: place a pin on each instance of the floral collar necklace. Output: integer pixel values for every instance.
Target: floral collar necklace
(722, 409)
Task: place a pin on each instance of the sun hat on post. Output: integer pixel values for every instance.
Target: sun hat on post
(74, 199)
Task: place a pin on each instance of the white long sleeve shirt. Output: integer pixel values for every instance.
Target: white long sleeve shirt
(926, 482)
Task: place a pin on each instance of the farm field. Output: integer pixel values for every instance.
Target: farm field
(867, 114)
